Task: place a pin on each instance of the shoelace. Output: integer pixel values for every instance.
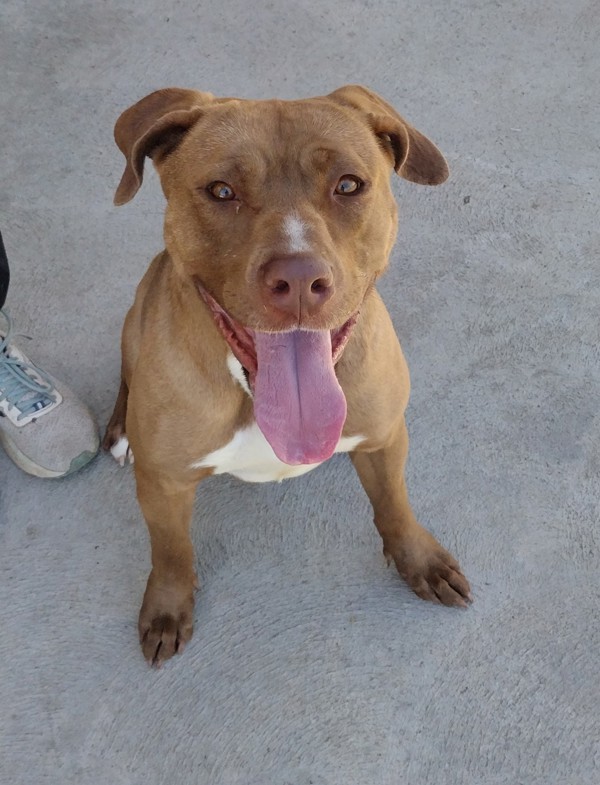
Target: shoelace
(18, 386)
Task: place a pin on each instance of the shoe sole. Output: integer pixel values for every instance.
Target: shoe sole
(30, 467)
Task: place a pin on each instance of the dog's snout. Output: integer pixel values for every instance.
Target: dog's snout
(298, 285)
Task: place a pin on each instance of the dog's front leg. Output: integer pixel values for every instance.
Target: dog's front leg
(431, 572)
(166, 616)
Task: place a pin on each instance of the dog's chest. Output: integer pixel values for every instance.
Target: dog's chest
(250, 457)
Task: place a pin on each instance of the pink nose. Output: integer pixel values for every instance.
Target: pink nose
(298, 285)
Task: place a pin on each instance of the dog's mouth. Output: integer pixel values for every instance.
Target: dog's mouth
(298, 402)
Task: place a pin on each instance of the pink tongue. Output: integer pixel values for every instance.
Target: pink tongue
(298, 402)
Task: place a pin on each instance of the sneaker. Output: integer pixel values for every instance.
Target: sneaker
(44, 427)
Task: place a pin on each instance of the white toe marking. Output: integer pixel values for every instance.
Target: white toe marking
(121, 451)
(295, 230)
(236, 370)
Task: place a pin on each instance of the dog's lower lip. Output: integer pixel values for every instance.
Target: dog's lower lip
(241, 339)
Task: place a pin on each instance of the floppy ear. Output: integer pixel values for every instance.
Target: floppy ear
(416, 158)
(154, 127)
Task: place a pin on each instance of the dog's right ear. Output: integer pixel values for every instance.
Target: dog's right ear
(154, 127)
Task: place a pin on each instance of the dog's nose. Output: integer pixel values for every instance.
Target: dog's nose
(298, 285)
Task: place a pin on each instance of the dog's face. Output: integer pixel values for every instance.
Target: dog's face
(249, 182)
(279, 213)
(258, 185)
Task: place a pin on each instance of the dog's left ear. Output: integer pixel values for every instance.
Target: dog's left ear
(416, 158)
(153, 127)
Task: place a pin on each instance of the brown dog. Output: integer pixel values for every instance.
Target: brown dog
(257, 344)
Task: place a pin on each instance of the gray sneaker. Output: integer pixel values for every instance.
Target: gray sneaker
(44, 427)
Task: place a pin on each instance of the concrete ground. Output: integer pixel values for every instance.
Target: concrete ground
(311, 662)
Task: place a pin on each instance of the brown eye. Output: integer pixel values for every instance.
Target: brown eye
(348, 184)
(221, 191)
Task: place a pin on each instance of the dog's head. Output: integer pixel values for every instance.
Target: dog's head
(280, 214)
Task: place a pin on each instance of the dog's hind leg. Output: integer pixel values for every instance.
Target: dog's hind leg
(115, 439)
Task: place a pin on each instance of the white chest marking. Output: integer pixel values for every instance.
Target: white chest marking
(295, 230)
(236, 370)
(249, 456)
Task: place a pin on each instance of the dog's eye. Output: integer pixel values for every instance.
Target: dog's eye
(348, 184)
(221, 191)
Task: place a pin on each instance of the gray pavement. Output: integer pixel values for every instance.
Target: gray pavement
(312, 662)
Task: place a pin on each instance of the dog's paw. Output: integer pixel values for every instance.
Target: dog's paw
(116, 442)
(121, 451)
(430, 571)
(166, 622)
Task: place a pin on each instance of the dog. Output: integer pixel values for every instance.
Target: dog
(257, 344)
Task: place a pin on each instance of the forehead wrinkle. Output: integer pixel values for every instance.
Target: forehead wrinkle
(249, 166)
(227, 137)
(336, 139)
(251, 141)
(231, 148)
(325, 157)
